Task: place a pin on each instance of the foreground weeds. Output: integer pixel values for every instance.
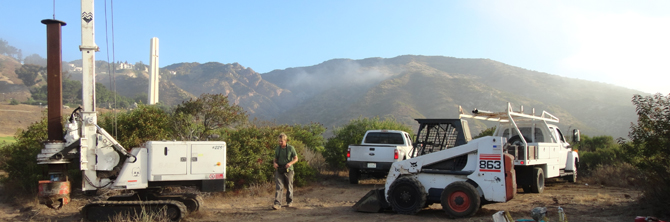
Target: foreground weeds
(619, 175)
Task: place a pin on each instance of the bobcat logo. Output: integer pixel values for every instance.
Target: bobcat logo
(413, 164)
(88, 17)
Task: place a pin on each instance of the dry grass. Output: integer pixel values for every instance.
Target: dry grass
(597, 199)
(620, 175)
(144, 216)
(314, 159)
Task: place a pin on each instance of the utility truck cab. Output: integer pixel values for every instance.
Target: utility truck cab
(539, 147)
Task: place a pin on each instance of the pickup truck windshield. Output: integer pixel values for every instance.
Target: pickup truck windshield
(384, 138)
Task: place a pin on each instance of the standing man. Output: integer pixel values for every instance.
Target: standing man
(285, 157)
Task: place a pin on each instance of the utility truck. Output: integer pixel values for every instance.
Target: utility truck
(539, 147)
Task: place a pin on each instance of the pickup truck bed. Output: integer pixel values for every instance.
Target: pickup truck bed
(377, 152)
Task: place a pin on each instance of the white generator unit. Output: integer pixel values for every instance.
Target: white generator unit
(165, 162)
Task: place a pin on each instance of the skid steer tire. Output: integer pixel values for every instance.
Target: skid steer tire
(460, 199)
(406, 195)
(537, 186)
(354, 175)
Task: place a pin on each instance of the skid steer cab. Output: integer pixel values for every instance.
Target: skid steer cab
(461, 179)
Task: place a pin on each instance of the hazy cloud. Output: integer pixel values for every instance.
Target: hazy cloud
(339, 73)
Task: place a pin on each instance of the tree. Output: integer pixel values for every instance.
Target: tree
(29, 73)
(592, 144)
(146, 123)
(141, 98)
(72, 90)
(650, 137)
(486, 132)
(6, 49)
(649, 148)
(19, 55)
(197, 119)
(352, 133)
(35, 59)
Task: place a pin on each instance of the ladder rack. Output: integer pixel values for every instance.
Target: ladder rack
(505, 117)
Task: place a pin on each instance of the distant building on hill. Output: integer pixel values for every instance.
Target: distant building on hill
(124, 65)
(74, 68)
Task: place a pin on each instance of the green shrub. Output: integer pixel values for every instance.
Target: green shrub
(13, 102)
(590, 160)
(18, 159)
(134, 127)
(250, 153)
(304, 173)
(352, 133)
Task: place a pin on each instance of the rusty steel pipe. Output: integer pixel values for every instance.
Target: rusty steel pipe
(54, 79)
(54, 192)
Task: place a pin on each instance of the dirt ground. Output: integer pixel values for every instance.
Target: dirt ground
(332, 198)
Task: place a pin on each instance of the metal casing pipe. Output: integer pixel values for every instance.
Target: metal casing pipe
(54, 79)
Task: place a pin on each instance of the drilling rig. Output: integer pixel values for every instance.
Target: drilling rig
(106, 164)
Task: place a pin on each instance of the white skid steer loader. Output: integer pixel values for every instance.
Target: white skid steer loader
(461, 178)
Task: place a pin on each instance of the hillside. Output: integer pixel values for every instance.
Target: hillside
(243, 86)
(135, 83)
(10, 85)
(408, 87)
(403, 87)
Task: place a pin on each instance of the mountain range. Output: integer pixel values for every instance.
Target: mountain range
(405, 88)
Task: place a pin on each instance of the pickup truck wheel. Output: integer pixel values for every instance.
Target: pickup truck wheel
(354, 175)
(538, 180)
(406, 195)
(460, 199)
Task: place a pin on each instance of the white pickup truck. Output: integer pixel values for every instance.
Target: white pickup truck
(378, 150)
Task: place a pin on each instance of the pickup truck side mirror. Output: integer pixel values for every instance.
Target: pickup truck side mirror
(576, 137)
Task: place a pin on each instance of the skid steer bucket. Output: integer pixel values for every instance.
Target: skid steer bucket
(373, 202)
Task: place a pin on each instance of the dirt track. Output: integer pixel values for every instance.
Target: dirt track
(331, 199)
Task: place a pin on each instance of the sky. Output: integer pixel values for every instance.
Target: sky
(623, 43)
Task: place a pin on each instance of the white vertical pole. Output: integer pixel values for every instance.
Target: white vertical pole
(88, 138)
(153, 72)
(88, 49)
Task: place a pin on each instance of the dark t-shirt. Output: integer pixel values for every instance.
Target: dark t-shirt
(285, 156)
